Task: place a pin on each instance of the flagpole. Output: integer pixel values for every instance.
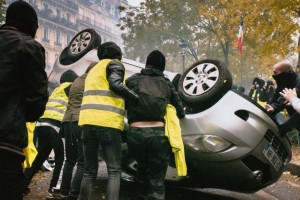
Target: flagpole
(240, 47)
(241, 62)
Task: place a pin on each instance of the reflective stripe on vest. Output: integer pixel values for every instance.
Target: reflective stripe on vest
(57, 103)
(101, 106)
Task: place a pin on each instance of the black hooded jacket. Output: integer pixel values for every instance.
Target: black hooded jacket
(23, 86)
(286, 80)
(23, 80)
(132, 107)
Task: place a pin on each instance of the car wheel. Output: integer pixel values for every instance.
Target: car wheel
(204, 83)
(82, 43)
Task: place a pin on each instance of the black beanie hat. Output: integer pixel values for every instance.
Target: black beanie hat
(109, 50)
(23, 17)
(269, 82)
(156, 60)
(68, 76)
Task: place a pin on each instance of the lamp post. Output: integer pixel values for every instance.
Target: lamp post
(183, 45)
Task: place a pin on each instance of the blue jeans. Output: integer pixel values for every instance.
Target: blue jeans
(74, 154)
(110, 141)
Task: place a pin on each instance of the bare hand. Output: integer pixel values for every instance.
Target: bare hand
(288, 94)
(269, 108)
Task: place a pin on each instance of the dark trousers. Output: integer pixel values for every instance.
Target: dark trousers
(12, 180)
(74, 154)
(48, 139)
(151, 149)
(109, 139)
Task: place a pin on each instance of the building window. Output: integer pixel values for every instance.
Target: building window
(103, 3)
(93, 19)
(57, 42)
(68, 17)
(46, 57)
(45, 34)
(69, 37)
(112, 10)
(58, 13)
(46, 6)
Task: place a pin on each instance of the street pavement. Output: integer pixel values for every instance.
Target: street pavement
(286, 188)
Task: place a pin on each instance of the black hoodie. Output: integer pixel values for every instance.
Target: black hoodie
(23, 80)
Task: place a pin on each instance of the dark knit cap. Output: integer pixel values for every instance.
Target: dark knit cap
(23, 17)
(156, 60)
(259, 81)
(109, 50)
(68, 76)
(270, 82)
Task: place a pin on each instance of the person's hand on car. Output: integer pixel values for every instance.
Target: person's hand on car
(269, 108)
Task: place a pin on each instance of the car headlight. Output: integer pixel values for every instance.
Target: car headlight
(207, 143)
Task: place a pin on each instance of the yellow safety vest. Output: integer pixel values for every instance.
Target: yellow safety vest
(100, 106)
(173, 132)
(30, 151)
(57, 103)
(258, 101)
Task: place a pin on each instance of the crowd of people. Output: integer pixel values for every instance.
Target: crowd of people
(281, 102)
(89, 111)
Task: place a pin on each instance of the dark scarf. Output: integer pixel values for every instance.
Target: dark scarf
(285, 79)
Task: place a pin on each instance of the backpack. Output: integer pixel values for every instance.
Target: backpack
(153, 96)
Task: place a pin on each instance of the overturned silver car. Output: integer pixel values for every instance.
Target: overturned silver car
(230, 141)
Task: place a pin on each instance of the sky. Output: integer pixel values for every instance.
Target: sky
(134, 2)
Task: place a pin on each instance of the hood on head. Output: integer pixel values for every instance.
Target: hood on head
(23, 17)
(109, 50)
(259, 81)
(68, 76)
(156, 60)
(269, 82)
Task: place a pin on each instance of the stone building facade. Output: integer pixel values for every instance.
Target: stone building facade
(60, 20)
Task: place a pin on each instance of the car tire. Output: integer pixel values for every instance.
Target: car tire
(175, 81)
(82, 43)
(204, 83)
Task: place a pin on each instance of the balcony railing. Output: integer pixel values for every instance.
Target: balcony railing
(47, 14)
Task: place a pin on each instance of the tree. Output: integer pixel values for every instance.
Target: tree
(211, 27)
(157, 24)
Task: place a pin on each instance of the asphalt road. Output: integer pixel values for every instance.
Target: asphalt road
(286, 188)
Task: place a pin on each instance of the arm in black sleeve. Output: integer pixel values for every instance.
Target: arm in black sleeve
(115, 76)
(277, 102)
(176, 101)
(35, 82)
(251, 92)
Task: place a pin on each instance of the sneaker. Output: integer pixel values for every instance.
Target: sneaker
(57, 197)
(53, 192)
(46, 166)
